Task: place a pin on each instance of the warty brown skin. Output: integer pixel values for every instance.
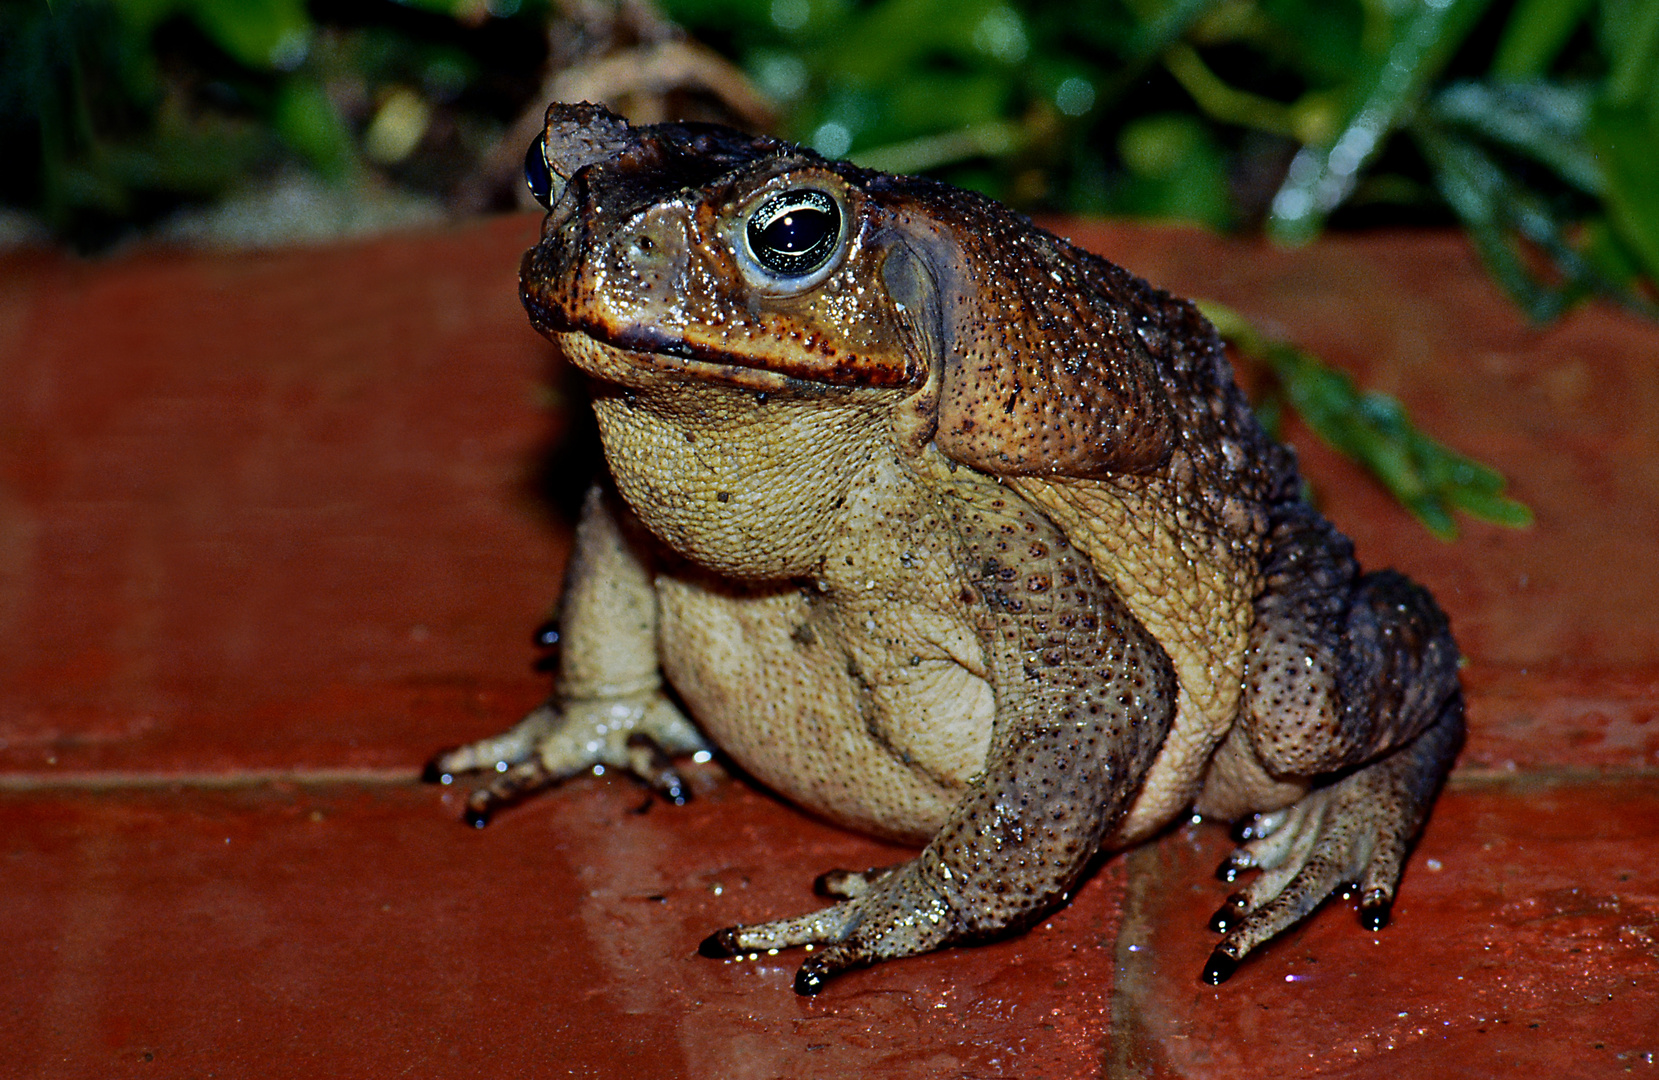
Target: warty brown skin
(952, 533)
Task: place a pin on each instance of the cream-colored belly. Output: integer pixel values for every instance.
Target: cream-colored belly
(859, 716)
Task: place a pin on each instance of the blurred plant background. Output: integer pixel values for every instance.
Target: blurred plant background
(1533, 125)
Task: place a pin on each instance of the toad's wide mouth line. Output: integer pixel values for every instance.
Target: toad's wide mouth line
(621, 358)
(648, 348)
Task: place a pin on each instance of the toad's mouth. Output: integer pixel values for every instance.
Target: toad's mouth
(639, 357)
(767, 361)
(647, 369)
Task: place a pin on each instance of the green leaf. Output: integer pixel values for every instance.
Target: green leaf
(1609, 254)
(307, 121)
(1178, 171)
(946, 101)
(727, 14)
(260, 33)
(1628, 141)
(885, 43)
(989, 139)
(1155, 32)
(1547, 122)
(145, 15)
(1630, 34)
(1419, 44)
(1534, 35)
(1226, 103)
(1321, 40)
(1477, 190)
(1428, 478)
(1496, 210)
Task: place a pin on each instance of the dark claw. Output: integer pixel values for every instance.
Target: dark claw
(720, 945)
(1373, 915)
(1240, 832)
(824, 884)
(433, 773)
(1229, 915)
(810, 979)
(651, 764)
(480, 808)
(1229, 870)
(546, 638)
(1219, 969)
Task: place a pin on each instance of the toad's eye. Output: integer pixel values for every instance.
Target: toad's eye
(795, 233)
(536, 172)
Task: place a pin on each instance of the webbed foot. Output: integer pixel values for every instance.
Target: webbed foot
(894, 911)
(639, 734)
(1352, 834)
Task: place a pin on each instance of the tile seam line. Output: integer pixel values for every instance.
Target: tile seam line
(1481, 777)
(93, 781)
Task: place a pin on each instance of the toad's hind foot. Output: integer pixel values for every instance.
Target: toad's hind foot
(899, 911)
(1356, 830)
(639, 734)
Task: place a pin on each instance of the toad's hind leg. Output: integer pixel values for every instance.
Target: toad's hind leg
(1084, 699)
(1352, 702)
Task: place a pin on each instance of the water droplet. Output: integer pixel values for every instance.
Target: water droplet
(832, 140)
(1074, 96)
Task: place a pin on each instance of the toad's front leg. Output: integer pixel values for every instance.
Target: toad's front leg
(609, 707)
(1084, 697)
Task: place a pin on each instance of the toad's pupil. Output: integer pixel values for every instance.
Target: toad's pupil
(536, 173)
(795, 233)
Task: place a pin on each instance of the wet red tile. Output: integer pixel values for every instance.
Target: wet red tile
(328, 931)
(1525, 940)
(269, 510)
(1562, 714)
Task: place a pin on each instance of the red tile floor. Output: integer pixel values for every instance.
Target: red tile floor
(273, 527)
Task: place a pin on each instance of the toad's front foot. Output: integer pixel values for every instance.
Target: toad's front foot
(637, 733)
(899, 912)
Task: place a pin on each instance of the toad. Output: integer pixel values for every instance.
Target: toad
(953, 533)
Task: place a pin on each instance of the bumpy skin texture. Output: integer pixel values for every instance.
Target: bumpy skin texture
(956, 534)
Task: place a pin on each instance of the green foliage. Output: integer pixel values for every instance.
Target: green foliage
(1428, 478)
(118, 111)
(1534, 124)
